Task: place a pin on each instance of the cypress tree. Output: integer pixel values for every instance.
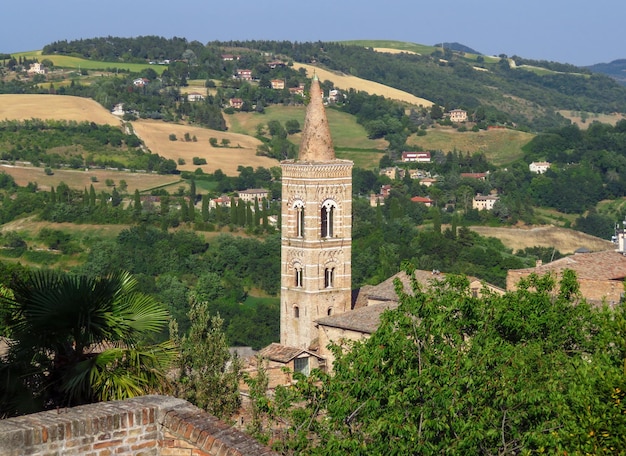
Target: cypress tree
(184, 211)
(250, 218)
(205, 208)
(92, 196)
(192, 210)
(165, 206)
(137, 204)
(257, 212)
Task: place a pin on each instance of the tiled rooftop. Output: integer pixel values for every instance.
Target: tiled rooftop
(365, 319)
(606, 265)
(281, 353)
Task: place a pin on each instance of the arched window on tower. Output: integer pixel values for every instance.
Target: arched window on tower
(299, 214)
(327, 216)
(299, 282)
(329, 277)
(296, 312)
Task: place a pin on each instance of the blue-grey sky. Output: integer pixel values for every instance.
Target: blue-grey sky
(568, 31)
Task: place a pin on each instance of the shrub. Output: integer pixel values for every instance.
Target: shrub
(173, 137)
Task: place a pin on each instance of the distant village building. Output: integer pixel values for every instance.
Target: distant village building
(195, 96)
(376, 199)
(236, 103)
(140, 82)
(484, 202)
(458, 115)
(539, 167)
(297, 90)
(37, 68)
(391, 172)
(479, 176)
(428, 181)
(275, 64)
(418, 174)
(253, 193)
(222, 201)
(245, 75)
(278, 84)
(422, 199)
(420, 157)
(229, 57)
(333, 96)
(118, 109)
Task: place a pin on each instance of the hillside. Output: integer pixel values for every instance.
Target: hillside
(347, 82)
(615, 69)
(501, 146)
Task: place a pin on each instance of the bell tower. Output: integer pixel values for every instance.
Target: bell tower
(316, 236)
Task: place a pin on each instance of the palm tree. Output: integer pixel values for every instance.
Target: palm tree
(78, 339)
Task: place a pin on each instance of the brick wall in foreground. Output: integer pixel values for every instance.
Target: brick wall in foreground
(143, 426)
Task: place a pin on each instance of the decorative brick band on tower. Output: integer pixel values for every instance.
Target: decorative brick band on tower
(316, 247)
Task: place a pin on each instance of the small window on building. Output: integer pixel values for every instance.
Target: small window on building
(301, 365)
(475, 292)
(329, 312)
(329, 277)
(296, 312)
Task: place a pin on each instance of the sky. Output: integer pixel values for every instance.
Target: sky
(567, 31)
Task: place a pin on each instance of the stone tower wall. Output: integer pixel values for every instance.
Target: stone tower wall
(311, 184)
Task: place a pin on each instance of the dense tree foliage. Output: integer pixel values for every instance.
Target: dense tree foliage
(535, 370)
(593, 161)
(39, 142)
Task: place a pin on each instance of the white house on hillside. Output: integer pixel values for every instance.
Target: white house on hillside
(539, 167)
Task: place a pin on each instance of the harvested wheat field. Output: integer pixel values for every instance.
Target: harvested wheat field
(59, 107)
(394, 51)
(564, 240)
(345, 82)
(80, 179)
(241, 150)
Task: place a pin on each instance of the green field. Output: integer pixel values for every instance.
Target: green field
(66, 61)
(500, 146)
(349, 138)
(346, 132)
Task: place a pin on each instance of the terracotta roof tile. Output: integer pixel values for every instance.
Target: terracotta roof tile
(282, 353)
(606, 265)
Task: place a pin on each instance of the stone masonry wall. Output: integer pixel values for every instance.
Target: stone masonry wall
(143, 426)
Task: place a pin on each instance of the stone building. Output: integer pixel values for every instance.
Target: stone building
(600, 275)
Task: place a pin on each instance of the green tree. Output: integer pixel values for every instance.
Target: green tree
(208, 374)
(205, 207)
(137, 200)
(535, 370)
(78, 339)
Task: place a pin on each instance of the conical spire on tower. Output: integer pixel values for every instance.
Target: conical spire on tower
(317, 144)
